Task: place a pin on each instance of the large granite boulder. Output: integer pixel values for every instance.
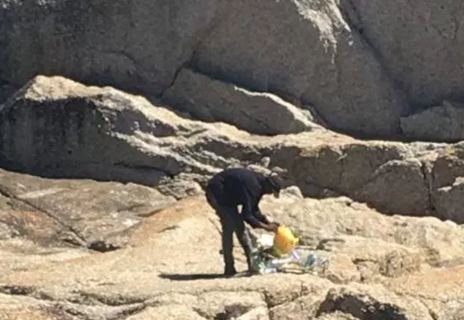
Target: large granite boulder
(362, 65)
(58, 127)
(304, 51)
(132, 46)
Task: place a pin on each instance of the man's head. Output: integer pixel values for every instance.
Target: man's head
(272, 184)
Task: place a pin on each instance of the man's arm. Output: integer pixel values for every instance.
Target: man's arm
(252, 215)
(260, 216)
(263, 218)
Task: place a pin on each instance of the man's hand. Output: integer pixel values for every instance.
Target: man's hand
(273, 226)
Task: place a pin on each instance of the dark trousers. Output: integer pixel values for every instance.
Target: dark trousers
(231, 222)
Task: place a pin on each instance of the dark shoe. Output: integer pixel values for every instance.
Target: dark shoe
(230, 272)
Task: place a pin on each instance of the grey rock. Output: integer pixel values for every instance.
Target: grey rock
(57, 127)
(79, 212)
(449, 201)
(419, 44)
(401, 186)
(375, 305)
(5, 92)
(441, 123)
(384, 174)
(212, 100)
(133, 47)
(303, 51)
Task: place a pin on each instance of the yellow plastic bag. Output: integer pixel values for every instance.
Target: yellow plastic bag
(284, 241)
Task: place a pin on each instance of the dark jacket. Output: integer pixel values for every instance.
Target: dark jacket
(238, 186)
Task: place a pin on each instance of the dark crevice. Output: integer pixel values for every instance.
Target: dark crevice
(428, 181)
(432, 313)
(103, 246)
(62, 172)
(189, 63)
(127, 313)
(30, 292)
(360, 307)
(117, 301)
(145, 168)
(16, 290)
(174, 78)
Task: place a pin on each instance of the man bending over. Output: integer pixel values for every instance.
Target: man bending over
(238, 186)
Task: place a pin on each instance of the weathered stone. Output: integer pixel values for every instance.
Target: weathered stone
(24, 308)
(15, 306)
(57, 127)
(173, 311)
(181, 186)
(307, 52)
(442, 123)
(134, 47)
(447, 166)
(385, 175)
(260, 313)
(5, 92)
(402, 186)
(396, 245)
(33, 225)
(449, 201)
(445, 170)
(211, 100)
(373, 303)
(83, 212)
(299, 309)
(336, 55)
(336, 316)
(311, 55)
(442, 285)
(165, 268)
(419, 44)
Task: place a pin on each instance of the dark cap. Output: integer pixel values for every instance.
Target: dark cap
(275, 182)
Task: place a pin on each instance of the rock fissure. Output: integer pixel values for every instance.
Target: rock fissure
(76, 234)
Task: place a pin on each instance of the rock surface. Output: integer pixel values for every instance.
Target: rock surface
(211, 100)
(420, 44)
(79, 212)
(375, 271)
(442, 123)
(113, 223)
(305, 51)
(56, 127)
(135, 47)
(315, 55)
(361, 65)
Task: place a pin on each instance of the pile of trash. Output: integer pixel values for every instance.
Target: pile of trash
(280, 253)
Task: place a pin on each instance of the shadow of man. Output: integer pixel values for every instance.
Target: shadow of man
(199, 276)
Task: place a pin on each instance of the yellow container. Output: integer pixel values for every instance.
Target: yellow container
(284, 241)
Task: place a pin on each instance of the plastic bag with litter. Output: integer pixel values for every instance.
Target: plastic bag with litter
(265, 259)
